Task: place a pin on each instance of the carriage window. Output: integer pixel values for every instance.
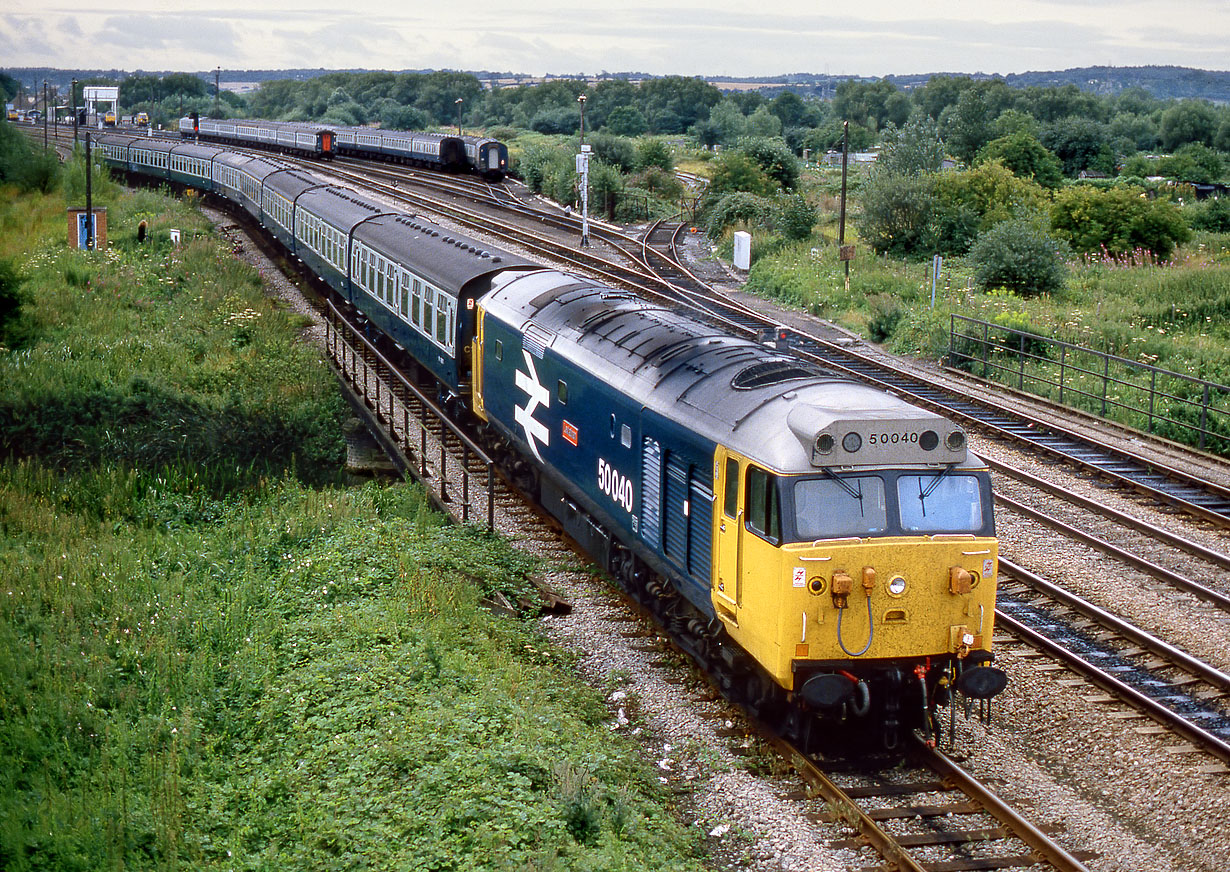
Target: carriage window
(764, 516)
(829, 508)
(416, 311)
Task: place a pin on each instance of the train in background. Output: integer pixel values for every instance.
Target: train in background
(748, 498)
(439, 151)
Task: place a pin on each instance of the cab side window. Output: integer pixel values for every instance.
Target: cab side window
(730, 497)
(764, 517)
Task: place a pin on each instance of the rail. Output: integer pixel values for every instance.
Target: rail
(1160, 401)
(350, 351)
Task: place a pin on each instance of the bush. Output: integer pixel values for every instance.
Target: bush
(21, 164)
(1119, 223)
(1018, 255)
(774, 157)
(617, 151)
(11, 299)
(1021, 335)
(654, 153)
(1211, 215)
(795, 216)
(739, 207)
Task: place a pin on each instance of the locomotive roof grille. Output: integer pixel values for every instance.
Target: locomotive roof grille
(772, 372)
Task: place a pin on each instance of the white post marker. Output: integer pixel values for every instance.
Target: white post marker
(743, 250)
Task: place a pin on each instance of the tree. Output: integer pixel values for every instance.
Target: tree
(735, 171)
(606, 184)
(728, 121)
(1188, 121)
(897, 214)
(829, 138)
(763, 123)
(1129, 133)
(912, 149)
(790, 109)
(1018, 255)
(1025, 156)
(867, 103)
(614, 150)
(672, 104)
(627, 121)
(991, 192)
(1080, 144)
(775, 158)
(1194, 162)
(654, 153)
(1118, 222)
(966, 126)
(8, 86)
(939, 93)
(1052, 103)
(1013, 121)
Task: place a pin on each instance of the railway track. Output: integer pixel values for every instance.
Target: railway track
(1183, 693)
(931, 816)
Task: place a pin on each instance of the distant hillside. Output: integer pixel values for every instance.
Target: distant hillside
(1162, 82)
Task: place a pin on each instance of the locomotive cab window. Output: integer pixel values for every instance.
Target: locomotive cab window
(940, 503)
(834, 508)
(764, 516)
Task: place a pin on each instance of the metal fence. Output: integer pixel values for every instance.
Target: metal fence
(1159, 401)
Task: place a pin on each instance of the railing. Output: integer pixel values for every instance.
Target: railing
(357, 359)
(1170, 404)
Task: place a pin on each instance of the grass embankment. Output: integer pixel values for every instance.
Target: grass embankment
(211, 655)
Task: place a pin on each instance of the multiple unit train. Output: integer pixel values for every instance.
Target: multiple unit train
(748, 498)
(479, 154)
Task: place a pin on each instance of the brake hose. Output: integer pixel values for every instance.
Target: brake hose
(871, 631)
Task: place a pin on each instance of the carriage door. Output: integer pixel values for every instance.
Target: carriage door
(729, 524)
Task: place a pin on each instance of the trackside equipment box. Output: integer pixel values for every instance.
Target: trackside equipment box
(77, 229)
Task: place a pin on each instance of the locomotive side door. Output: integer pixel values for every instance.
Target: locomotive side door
(728, 524)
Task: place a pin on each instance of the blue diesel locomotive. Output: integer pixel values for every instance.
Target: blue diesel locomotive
(748, 498)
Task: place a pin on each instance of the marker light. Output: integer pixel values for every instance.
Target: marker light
(852, 442)
(896, 585)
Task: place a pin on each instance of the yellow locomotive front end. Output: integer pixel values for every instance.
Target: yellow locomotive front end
(863, 581)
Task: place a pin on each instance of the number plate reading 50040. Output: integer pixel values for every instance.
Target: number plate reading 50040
(892, 439)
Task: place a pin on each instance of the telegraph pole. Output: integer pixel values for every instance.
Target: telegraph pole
(44, 114)
(89, 198)
(217, 88)
(458, 101)
(74, 96)
(841, 228)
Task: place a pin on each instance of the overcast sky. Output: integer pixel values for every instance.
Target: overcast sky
(684, 37)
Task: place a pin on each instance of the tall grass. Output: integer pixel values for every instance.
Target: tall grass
(209, 661)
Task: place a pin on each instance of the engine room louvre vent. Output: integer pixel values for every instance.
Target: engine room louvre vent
(772, 372)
